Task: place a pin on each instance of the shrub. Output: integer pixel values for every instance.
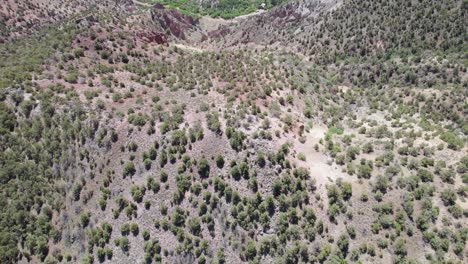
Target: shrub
(116, 97)
(456, 210)
(201, 259)
(343, 243)
(84, 219)
(250, 250)
(235, 172)
(277, 187)
(152, 153)
(448, 197)
(163, 208)
(364, 171)
(261, 161)
(213, 122)
(220, 256)
(76, 191)
(125, 229)
(102, 203)
(71, 77)
(453, 141)
(346, 190)
(147, 163)
(203, 168)
(163, 158)
(400, 247)
(134, 229)
(163, 176)
(147, 204)
(87, 259)
(178, 217)
(219, 161)
(108, 252)
(301, 156)
(101, 254)
(236, 138)
(152, 185)
(124, 244)
(352, 152)
(194, 226)
(244, 169)
(137, 193)
(308, 112)
(105, 54)
(137, 119)
(129, 169)
(425, 175)
(368, 147)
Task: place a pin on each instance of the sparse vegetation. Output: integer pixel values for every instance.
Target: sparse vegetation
(341, 139)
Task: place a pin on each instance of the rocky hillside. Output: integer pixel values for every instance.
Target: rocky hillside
(19, 18)
(358, 28)
(313, 132)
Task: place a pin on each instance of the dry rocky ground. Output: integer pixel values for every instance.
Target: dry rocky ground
(155, 137)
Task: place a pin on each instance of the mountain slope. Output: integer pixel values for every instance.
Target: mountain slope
(314, 132)
(359, 28)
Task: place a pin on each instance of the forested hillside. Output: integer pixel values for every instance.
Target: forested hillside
(311, 132)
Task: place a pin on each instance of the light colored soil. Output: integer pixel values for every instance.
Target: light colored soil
(187, 47)
(319, 163)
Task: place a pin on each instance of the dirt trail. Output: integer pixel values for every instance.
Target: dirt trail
(208, 24)
(187, 48)
(136, 2)
(240, 18)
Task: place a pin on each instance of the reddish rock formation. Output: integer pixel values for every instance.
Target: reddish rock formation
(171, 21)
(152, 37)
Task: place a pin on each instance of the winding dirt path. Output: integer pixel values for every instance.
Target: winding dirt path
(187, 48)
(136, 2)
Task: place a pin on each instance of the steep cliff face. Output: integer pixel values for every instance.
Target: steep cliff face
(172, 22)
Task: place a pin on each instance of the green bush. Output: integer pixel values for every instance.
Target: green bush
(129, 169)
(137, 193)
(125, 229)
(425, 175)
(448, 197)
(453, 141)
(134, 229)
(137, 119)
(84, 219)
(203, 168)
(236, 138)
(400, 247)
(343, 243)
(250, 251)
(235, 172)
(124, 244)
(178, 217)
(146, 235)
(213, 122)
(261, 161)
(219, 161)
(71, 77)
(194, 226)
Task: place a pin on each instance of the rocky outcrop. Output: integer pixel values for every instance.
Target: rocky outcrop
(172, 22)
(152, 37)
